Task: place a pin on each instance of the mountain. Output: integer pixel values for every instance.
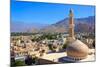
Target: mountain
(26, 27)
(81, 25)
(86, 24)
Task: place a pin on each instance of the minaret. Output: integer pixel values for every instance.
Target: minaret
(71, 25)
(76, 50)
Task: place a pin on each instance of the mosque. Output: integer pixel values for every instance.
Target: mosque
(76, 50)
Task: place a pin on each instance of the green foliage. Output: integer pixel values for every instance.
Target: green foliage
(50, 46)
(65, 45)
(18, 63)
(21, 33)
(36, 39)
(48, 36)
(34, 60)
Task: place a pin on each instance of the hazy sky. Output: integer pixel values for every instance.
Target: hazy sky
(46, 13)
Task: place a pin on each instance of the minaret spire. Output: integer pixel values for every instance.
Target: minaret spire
(71, 25)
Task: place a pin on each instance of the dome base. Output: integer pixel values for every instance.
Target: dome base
(77, 50)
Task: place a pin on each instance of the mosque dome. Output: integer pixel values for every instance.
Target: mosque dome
(77, 50)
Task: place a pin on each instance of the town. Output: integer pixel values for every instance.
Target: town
(37, 45)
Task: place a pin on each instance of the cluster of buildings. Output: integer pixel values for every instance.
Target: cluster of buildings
(23, 46)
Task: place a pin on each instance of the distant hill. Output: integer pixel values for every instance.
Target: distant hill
(25, 27)
(81, 25)
(86, 24)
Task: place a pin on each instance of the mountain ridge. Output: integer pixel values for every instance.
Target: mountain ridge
(86, 24)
